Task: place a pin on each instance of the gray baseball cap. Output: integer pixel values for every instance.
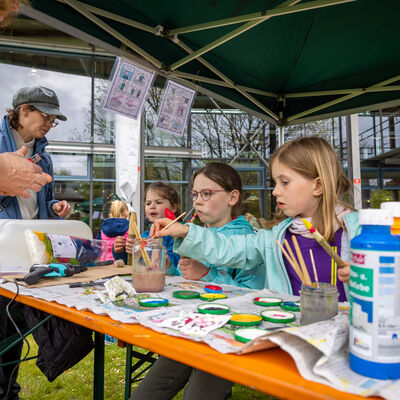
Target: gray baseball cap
(44, 99)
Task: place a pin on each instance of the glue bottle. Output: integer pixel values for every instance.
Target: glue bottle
(375, 297)
(394, 208)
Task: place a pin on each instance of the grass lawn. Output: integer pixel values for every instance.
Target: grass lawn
(76, 383)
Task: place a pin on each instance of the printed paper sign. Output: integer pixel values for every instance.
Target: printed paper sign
(175, 108)
(128, 89)
(63, 246)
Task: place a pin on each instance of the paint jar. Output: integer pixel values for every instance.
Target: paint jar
(394, 208)
(318, 303)
(375, 297)
(148, 262)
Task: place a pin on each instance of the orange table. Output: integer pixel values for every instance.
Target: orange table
(270, 371)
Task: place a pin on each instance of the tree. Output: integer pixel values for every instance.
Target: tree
(104, 122)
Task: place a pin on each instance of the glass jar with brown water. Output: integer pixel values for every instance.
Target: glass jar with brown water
(148, 262)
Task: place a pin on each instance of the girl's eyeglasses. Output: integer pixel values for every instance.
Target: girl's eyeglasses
(205, 194)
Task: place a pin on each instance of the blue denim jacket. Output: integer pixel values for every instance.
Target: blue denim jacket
(9, 208)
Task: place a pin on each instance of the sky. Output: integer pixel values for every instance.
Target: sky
(73, 92)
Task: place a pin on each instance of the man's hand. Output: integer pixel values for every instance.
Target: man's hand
(175, 230)
(192, 269)
(344, 273)
(61, 208)
(18, 174)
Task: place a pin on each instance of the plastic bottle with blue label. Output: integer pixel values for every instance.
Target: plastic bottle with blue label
(375, 297)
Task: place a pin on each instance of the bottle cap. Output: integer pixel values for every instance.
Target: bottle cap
(290, 305)
(212, 296)
(372, 216)
(153, 302)
(245, 319)
(245, 335)
(279, 316)
(213, 289)
(216, 309)
(186, 294)
(393, 206)
(267, 301)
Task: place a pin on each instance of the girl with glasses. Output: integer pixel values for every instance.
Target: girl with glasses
(216, 193)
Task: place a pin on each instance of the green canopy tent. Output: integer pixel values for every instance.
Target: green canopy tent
(285, 61)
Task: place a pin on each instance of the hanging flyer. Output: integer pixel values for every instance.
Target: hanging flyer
(128, 89)
(174, 109)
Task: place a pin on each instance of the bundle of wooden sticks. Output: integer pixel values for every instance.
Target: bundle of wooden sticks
(299, 266)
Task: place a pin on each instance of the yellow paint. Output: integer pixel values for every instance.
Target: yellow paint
(212, 296)
(245, 318)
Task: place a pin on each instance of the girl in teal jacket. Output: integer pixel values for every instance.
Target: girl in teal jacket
(309, 181)
(216, 194)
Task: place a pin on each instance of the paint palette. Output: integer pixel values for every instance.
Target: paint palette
(245, 319)
(216, 309)
(278, 316)
(290, 305)
(245, 335)
(153, 302)
(186, 294)
(212, 296)
(267, 301)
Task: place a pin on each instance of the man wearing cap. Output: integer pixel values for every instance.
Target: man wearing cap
(23, 131)
(34, 113)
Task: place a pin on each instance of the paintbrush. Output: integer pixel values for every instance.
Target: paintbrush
(314, 268)
(172, 222)
(292, 262)
(301, 261)
(324, 244)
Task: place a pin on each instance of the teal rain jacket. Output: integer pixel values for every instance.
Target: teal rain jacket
(247, 252)
(251, 278)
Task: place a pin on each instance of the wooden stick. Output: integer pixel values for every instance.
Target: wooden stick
(172, 222)
(301, 261)
(290, 251)
(314, 268)
(136, 234)
(294, 266)
(324, 244)
(131, 232)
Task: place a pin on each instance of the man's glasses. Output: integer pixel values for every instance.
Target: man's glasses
(48, 118)
(205, 194)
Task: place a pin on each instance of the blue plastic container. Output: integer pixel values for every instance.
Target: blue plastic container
(375, 298)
